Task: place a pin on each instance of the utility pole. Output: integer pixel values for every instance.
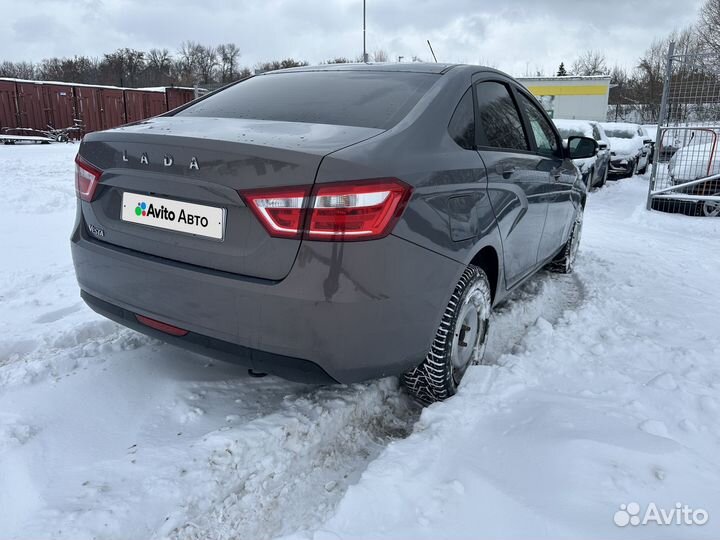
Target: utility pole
(431, 51)
(365, 55)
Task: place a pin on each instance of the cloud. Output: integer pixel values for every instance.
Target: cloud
(514, 35)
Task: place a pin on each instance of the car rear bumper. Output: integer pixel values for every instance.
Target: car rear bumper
(346, 312)
(621, 166)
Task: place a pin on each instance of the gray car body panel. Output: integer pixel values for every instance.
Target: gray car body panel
(358, 310)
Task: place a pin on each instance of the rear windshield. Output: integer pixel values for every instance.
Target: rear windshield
(619, 133)
(344, 98)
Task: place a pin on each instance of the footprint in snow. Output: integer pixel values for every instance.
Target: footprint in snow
(655, 427)
(56, 315)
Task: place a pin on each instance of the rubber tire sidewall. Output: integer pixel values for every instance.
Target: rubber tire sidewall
(433, 380)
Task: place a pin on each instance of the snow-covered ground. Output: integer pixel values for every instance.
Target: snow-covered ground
(601, 389)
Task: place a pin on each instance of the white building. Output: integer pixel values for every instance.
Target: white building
(582, 98)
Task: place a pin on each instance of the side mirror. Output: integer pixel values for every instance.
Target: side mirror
(647, 141)
(602, 146)
(582, 147)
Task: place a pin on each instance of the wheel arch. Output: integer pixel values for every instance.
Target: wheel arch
(488, 259)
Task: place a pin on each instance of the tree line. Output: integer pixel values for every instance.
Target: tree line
(637, 92)
(193, 63)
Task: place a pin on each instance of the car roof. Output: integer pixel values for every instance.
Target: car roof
(400, 67)
(620, 125)
(572, 122)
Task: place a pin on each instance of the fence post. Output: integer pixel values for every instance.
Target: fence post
(661, 119)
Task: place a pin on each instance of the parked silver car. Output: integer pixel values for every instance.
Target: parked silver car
(595, 169)
(630, 148)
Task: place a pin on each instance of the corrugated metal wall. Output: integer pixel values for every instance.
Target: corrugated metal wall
(36, 105)
(8, 104)
(178, 96)
(59, 105)
(30, 106)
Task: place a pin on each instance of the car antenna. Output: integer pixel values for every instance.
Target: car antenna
(431, 51)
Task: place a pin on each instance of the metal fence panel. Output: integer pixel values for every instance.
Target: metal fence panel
(686, 167)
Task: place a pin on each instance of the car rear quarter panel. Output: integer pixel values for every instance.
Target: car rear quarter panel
(449, 211)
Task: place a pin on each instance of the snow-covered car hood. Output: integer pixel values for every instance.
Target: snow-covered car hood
(694, 161)
(624, 147)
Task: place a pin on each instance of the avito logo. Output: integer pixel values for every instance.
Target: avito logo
(140, 209)
(149, 210)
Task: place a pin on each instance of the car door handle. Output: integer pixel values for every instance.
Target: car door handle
(556, 173)
(506, 170)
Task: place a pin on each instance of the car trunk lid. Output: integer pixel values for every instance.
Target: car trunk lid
(202, 163)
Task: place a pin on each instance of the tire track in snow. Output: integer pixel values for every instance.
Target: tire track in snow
(289, 469)
(321, 442)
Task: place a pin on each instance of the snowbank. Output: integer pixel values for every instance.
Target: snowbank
(601, 389)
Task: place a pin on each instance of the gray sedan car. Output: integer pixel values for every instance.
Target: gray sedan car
(334, 223)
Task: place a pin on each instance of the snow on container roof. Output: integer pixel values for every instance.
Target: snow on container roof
(567, 78)
(62, 83)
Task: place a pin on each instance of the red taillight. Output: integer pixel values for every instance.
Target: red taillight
(86, 179)
(281, 211)
(357, 210)
(163, 327)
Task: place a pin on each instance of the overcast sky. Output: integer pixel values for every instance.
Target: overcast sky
(513, 35)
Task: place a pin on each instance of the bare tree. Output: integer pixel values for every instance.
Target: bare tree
(590, 63)
(280, 64)
(186, 66)
(158, 68)
(709, 25)
(207, 62)
(339, 60)
(228, 54)
(380, 55)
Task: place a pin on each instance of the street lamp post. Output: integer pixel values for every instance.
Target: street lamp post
(365, 55)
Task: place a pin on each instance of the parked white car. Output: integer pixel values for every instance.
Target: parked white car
(694, 161)
(594, 170)
(630, 148)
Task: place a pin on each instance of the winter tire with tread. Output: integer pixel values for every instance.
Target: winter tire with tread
(564, 262)
(459, 342)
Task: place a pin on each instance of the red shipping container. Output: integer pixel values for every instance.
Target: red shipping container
(87, 99)
(8, 105)
(112, 108)
(155, 104)
(134, 105)
(30, 106)
(59, 104)
(178, 96)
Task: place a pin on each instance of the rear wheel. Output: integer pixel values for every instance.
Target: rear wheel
(459, 341)
(604, 179)
(631, 169)
(564, 262)
(711, 208)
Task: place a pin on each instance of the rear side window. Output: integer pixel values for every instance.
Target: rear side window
(346, 98)
(498, 119)
(596, 133)
(545, 138)
(462, 123)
